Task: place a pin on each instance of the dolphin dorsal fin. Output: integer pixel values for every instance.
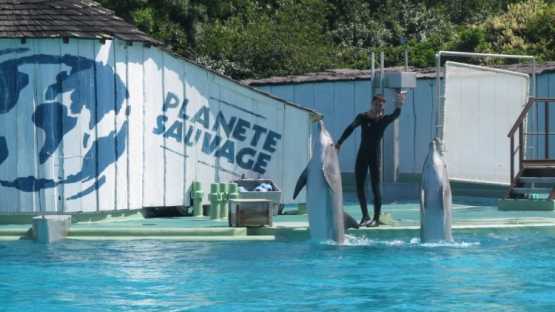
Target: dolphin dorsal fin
(3, 149)
(301, 182)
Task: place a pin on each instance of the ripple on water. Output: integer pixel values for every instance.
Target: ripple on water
(488, 270)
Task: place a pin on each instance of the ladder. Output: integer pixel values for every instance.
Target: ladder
(532, 178)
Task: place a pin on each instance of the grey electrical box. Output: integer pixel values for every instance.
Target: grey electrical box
(396, 80)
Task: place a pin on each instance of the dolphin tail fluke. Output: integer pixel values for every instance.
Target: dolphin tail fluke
(349, 222)
(301, 182)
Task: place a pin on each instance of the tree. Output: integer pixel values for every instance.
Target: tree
(278, 38)
(260, 38)
(540, 31)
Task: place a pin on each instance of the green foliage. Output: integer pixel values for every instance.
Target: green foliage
(260, 38)
(524, 28)
(541, 33)
(470, 39)
(507, 32)
(282, 38)
(390, 26)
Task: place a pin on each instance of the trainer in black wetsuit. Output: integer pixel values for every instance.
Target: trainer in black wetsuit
(373, 124)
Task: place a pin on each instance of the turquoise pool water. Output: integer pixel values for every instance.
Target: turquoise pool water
(490, 270)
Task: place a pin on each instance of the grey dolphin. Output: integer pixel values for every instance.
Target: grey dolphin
(324, 199)
(435, 198)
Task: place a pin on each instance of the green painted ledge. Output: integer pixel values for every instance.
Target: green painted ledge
(27, 218)
(298, 231)
(525, 204)
(155, 232)
(14, 231)
(177, 238)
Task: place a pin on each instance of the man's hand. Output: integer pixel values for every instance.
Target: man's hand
(400, 99)
(337, 146)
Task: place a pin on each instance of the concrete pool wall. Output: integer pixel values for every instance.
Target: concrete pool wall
(402, 218)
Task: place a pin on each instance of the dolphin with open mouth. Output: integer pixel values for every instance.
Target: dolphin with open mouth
(324, 198)
(435, 198)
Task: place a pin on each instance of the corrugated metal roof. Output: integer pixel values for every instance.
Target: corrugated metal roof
(355, 74)
(64, 18)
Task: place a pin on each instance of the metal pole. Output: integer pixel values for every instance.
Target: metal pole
(382, 66)
(546, 105)
(520, 141)
(534, 77)
(512, 158)
(438, 92)
(470, 54)
(372, 65)
(406, 60)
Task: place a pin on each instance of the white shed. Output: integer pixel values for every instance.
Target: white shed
(96, 116)
(340, 94)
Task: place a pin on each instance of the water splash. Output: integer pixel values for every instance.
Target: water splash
(351, 240)
(462, 244)
(413, 242)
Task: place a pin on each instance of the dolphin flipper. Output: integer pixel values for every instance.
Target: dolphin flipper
(332, 173)
(447, 201)
(447, 197)
(301, 182)
(446, 209)
(349, 222)
(422, 199)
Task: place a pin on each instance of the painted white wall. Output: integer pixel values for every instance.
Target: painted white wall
(338, 102)
(481, 105)
(417, 121)
(141, 157)
(341, 101)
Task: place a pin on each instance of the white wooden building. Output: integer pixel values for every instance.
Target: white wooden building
(96, 116)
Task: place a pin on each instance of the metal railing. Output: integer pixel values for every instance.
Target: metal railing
(519, 126)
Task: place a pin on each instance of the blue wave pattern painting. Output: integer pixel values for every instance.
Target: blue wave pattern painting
(55, 120)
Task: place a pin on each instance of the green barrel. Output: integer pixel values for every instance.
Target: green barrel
(215, 188)
(215, 199)
(224, 189)
(196, 186)
(197, 203)
(233, 191)
(233, 188)
(197, 194)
